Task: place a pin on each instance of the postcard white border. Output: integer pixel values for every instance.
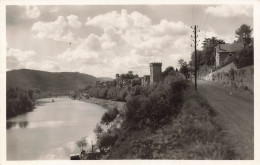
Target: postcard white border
(4, 3)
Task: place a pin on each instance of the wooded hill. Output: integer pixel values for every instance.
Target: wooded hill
(48, 81)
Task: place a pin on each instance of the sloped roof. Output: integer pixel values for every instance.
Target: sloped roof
(229, 47)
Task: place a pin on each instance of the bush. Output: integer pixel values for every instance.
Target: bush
(136, 90)
(162, 102)
(98, 130)
(177, 88)
(106, 141)
(109, 116)
(111, 93)
(122, 95)
(82, 143)
(103, 93)
(246, 58)
(133, 108)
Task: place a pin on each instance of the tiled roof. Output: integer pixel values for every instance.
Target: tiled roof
(229, 47)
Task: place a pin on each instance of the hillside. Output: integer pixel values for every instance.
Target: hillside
(48, 81)
(105, 79)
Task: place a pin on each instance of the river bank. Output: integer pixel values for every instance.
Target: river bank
(107, 104)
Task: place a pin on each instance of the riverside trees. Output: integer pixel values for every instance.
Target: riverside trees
(146, 107)
(18, 101)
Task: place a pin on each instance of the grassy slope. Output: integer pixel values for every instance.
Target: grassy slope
(48, 81)
(194, 134)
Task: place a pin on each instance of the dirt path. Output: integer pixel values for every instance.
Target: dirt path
(236, 113)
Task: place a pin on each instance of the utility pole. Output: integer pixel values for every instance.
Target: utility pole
(195, 46)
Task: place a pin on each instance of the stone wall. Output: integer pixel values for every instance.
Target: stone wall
(231, 76)
(225, 69)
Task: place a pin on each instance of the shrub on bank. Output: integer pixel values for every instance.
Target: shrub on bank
(102, 93)
(163, 101)
(109, 116)
(106, 141)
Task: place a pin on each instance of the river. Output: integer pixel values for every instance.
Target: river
(50, 131)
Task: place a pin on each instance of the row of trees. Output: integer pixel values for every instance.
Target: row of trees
(115, 93)
(122, 93)
(18, 101)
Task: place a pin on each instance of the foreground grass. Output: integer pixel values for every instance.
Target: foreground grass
(193, 134)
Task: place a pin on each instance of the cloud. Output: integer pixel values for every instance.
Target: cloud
(54, 30)
(19, 54)
(32, 12)
(16, 58)
(45, 65)
(73, 21)
(121, 20)
(129, 41)
(171, 28)
(230, 10)
(20, 59)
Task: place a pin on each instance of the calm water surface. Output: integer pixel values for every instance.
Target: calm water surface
(51, 130)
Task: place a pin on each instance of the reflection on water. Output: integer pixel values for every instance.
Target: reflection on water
(21, 124)
(51, 129)
(25, 124)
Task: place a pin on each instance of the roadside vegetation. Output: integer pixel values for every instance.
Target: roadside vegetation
(192, 134)
(167, 120)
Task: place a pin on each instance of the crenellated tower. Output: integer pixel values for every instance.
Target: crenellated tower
(155, 72)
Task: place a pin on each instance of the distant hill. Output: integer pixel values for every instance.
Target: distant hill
(48, 81)
(105, 79)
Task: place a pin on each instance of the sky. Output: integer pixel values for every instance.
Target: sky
(105, 40)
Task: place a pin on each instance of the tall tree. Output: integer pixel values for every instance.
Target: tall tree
(201, 60)
(167, 71)
(244, 34)
(184, 68)
(208, 48)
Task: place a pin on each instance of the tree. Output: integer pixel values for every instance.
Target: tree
(82, 143)
(181, 62)
(208, 49)
(106, 141)
(243, 34)
(98, 130)
(200, 58)
(167, 71)
(184, 68)
(109, 116)
(123, 76)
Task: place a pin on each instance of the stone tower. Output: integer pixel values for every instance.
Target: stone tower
(155, 72)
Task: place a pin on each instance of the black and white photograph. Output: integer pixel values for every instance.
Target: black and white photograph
(128, 81)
